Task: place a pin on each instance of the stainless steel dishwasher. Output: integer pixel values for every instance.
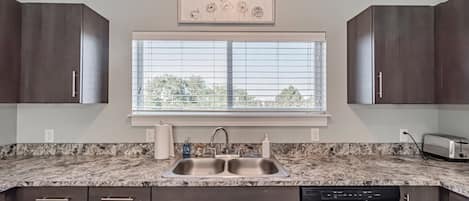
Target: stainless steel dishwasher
(350, 193)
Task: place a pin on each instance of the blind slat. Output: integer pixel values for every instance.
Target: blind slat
(200, 75)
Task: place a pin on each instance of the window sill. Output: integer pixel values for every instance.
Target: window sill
(300, 119)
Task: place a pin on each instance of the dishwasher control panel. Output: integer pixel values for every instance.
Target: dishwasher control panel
(350, 193)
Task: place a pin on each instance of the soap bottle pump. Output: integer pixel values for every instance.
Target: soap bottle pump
(186, 149)
(266, 147)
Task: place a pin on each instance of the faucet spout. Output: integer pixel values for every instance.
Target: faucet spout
(227, 138)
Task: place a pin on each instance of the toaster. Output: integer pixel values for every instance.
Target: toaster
(449, 147)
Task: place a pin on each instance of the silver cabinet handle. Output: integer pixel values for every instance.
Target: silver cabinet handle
(74, 84)
(380, 84)
(406, 197)
(117, 199)
(52, 199)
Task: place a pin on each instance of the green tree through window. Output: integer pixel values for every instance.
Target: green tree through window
(174, 92)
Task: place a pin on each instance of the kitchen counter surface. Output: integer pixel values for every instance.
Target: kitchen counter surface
(317, 171)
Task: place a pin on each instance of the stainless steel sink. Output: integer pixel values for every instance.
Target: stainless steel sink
(252, 167)
(199, 167)
(226, 167)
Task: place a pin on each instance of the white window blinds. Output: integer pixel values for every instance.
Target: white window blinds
(228, 72)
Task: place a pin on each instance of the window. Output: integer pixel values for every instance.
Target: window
(228, 72)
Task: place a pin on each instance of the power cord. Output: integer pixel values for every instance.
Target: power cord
(415, 142)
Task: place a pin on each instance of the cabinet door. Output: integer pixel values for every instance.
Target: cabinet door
(119, 194)
(10, 44)
(226, 194)
(456, 197)
(9, 195)
(52, 194)
(420, 193)
(51, 45)
(95, 58)
(452, 21)
(404, 54)
(360, 68)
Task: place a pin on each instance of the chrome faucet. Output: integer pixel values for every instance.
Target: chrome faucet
(227, 142)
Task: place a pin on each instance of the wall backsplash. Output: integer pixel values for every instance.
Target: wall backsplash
(249, 150)
(110, 124)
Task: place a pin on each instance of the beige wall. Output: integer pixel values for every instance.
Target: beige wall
(109, 123)
(7, 124)
(454, 120)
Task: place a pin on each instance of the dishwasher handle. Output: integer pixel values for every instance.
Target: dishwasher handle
(117, 199)
(53, 199)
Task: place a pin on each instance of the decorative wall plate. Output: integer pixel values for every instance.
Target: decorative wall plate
(227, 11)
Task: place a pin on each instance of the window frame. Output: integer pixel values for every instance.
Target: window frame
(301, 117)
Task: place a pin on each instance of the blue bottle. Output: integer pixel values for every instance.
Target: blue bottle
(186, 149)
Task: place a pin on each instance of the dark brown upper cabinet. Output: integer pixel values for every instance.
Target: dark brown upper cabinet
(10, 44)
(64, 54)
(452, 44)
(391, 56)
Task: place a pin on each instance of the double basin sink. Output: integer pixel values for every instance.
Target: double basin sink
(226, 167)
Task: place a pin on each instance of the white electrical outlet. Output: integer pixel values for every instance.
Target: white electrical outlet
(49, 135)
(150, 133)
(403, 137)
(315, 135)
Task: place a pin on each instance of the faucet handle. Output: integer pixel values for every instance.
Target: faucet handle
(211, 150)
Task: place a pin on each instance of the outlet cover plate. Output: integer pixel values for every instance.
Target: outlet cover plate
(49, 135)
(315, 135)
(403, 137)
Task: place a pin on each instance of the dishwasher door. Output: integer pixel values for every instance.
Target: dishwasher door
(350, 193)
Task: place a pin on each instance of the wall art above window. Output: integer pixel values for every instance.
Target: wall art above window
(226, 11)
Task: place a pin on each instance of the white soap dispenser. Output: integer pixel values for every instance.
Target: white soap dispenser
(266, 147)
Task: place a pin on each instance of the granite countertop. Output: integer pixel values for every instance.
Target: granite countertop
(320, 170)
